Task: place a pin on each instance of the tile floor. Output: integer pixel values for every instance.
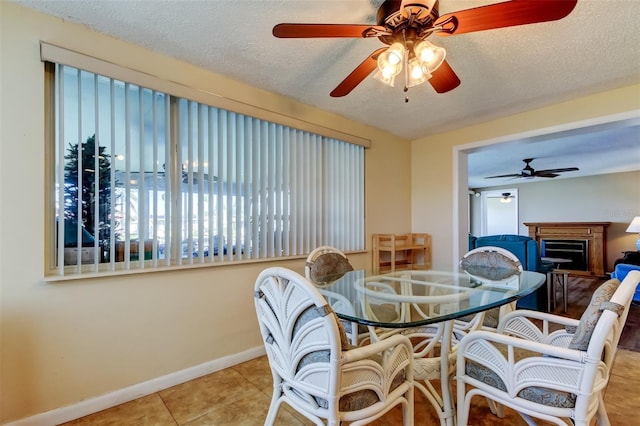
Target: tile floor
(240, 395)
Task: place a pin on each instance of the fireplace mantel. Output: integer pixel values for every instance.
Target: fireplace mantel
(594, 232)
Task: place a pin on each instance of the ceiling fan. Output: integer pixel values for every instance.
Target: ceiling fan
(528, 172)
(404, 27)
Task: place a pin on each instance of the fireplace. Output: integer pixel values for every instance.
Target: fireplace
(575, 250)
(585, 243)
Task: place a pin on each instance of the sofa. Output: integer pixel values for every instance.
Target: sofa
(620, 272)
(527, 251)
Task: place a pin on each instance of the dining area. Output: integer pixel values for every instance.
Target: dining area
(242, 394)
(360, 346)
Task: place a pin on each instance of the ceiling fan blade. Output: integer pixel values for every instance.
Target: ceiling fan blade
(514, 175)
(552, 171)
(357, 75)
(544, 174)
(444, 78)
(506, 14)
(325, 30)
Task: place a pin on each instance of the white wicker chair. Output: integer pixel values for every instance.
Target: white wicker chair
(312, 369)
(334, 299)
(545, 374)
(490, 263)
(337, 265)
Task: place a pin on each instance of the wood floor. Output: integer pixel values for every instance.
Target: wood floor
(240, 395)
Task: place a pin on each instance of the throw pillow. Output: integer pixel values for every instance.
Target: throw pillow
(591, 315)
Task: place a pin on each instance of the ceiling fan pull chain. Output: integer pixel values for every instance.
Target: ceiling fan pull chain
(405, 59)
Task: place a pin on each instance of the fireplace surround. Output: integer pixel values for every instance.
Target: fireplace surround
(568, 239)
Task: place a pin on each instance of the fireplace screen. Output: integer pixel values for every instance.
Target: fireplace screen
(575, 250)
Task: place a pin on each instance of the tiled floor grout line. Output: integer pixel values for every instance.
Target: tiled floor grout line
(167, 407)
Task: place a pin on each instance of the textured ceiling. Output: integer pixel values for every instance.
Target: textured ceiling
(504, 71)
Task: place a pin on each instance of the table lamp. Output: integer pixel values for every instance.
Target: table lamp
(634, 226)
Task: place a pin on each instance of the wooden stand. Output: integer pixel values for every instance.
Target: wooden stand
(404, 251)
(134, 247)
(594, 232)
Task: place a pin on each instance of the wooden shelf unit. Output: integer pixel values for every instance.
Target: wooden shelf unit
(403, 251)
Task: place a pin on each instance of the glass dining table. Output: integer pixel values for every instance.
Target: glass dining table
(433, 307)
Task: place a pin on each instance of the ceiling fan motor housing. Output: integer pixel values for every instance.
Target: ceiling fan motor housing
(391, 17)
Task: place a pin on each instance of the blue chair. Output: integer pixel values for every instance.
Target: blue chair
(526, 250)
(621, 271)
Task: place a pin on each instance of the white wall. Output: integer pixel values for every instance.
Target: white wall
(66, 342)
(611, 198)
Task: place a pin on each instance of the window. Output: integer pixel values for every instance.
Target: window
(144, 179)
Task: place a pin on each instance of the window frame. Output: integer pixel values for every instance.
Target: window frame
(56, 272)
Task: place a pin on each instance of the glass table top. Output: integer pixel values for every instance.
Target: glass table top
(409, 298)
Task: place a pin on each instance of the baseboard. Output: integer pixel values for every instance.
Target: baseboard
(111, 399)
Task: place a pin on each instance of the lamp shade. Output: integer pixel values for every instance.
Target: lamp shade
(634, 226)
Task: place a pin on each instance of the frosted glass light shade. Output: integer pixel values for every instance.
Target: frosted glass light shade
(389, 80)
(390, 61)
(430, 54)
(417, 73)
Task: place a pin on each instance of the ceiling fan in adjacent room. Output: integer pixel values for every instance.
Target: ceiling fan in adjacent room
(404, 26)
(528, 172)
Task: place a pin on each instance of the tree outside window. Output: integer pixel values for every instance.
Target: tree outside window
(84, 190)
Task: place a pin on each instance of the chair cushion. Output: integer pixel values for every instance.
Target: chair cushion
(591, 315)
(366, 397)
(384, 313)
(548, 397)
(321, 355)
(537, 394)
(490, 273)
(489, 259)
(353, 401)
(329, 267)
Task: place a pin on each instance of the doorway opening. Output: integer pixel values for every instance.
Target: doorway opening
(499, 212)
(461, 202)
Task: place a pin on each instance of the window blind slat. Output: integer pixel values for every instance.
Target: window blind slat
(143, 218)
(200, 184)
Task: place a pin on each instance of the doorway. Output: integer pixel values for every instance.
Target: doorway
(461, 218)
(499, 212)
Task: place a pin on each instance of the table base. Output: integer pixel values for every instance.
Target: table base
(561, 278)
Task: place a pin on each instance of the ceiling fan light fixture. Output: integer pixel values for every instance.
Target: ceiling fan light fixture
(389, 80)
(506, 197)
(390, 61)
(418, 72)
(430, 54)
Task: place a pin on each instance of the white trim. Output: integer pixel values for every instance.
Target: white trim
(460, 202)
(120, 396)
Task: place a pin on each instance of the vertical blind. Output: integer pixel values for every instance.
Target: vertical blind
(145, 179)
